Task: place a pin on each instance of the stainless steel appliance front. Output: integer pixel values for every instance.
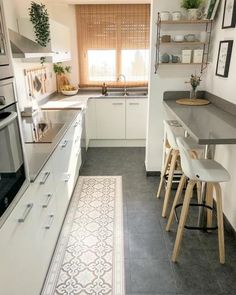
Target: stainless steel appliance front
(5, 60)
(12, 169)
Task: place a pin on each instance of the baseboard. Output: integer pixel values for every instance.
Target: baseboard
(153, 173)
(117, 143)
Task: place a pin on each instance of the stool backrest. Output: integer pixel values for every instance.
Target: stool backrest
(170, 136)
(186, 160)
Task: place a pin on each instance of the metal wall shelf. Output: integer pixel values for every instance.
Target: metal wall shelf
(204, 45)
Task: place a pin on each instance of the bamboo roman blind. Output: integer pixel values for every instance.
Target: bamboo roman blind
(111, 26)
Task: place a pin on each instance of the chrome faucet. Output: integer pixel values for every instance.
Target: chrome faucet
(124, 79)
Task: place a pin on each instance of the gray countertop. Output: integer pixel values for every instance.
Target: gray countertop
(207, 124)
(37, 154)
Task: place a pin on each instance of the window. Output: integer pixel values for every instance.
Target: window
(113, 39)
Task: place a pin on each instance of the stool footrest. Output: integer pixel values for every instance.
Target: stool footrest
(204, 228)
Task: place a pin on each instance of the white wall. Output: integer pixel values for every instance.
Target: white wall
(225, 88)
(168, 78)
(173, 78)
(58, 11)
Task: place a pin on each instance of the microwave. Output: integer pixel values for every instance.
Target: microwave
(5, 58)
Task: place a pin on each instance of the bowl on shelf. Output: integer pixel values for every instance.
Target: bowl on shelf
(69, 90)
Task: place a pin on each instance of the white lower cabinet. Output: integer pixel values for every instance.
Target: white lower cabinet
(117, 118)
(29, 235)
(136, 118)
(110, 118)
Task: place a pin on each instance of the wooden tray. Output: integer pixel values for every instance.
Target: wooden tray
(192, 102)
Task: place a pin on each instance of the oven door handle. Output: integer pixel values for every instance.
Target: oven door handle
(8, 120)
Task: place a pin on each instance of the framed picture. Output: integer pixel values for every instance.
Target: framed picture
(211, 9)
(224, 57)
(229, 18)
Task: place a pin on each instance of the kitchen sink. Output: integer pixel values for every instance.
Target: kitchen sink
(128, 94)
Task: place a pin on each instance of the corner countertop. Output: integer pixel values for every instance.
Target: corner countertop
(37, 154)
(208, 124)
(78, 101)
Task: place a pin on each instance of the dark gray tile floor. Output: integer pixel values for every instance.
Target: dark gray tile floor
(148, 247)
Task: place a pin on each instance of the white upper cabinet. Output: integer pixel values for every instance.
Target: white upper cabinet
(60, 35)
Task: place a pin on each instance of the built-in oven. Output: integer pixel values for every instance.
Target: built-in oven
(5, 60)
(12, 170)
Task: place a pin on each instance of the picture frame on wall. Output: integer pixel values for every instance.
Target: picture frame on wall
(224, 58)
(229, 16)
(211, 9)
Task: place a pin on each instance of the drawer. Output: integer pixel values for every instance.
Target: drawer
(75, 129)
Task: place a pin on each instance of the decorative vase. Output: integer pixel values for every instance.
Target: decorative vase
(193, 14)
(193, 93)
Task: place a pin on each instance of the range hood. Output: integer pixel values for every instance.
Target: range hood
(23, 47)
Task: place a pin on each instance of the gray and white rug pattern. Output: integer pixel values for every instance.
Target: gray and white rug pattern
(89, 255)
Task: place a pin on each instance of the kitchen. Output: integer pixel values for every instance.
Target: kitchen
(96, 138)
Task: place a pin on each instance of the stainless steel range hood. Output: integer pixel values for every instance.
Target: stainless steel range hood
(23, 47)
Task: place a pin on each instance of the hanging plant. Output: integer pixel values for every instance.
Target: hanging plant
(40, 20)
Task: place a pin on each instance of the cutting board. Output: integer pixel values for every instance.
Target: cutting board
(192, 102)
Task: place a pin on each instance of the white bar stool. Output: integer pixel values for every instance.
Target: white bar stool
(196, 170)
(172, 159)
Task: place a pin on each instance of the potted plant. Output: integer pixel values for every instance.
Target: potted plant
(61, 72)
(194, 81)
(192, 7)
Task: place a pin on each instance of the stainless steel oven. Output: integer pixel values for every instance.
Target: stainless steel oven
(5, 59)
(13, 178)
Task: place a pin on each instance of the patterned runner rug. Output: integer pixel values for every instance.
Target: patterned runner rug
(89, 257)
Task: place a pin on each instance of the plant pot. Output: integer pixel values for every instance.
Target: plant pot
(193, 14)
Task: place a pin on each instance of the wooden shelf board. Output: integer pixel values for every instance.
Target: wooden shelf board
(185, 21)
(182, 43)
(180, 64)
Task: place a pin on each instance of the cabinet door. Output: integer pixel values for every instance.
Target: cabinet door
(136, 118)
(91, 127)
(110, 118)
(21, 272)
(60, 41)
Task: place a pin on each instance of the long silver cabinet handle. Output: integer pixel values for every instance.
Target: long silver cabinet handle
(134, 103)
(26, 213)
(45, 177)
(51, 218)
(49, 197)
(64, 144)
(117, 103)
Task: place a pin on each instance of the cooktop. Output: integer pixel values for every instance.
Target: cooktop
(40, 128)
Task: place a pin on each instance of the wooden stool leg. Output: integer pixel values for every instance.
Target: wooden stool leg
(183, 217)
(220, 223)
(176, 200)
(175, 155)
(209, 202)
(168, 158)
(199, 192)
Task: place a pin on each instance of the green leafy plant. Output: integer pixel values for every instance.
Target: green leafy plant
(40, 20)
(191, 4)
(59, 69)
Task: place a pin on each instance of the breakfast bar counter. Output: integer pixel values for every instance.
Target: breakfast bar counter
(209, 125)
